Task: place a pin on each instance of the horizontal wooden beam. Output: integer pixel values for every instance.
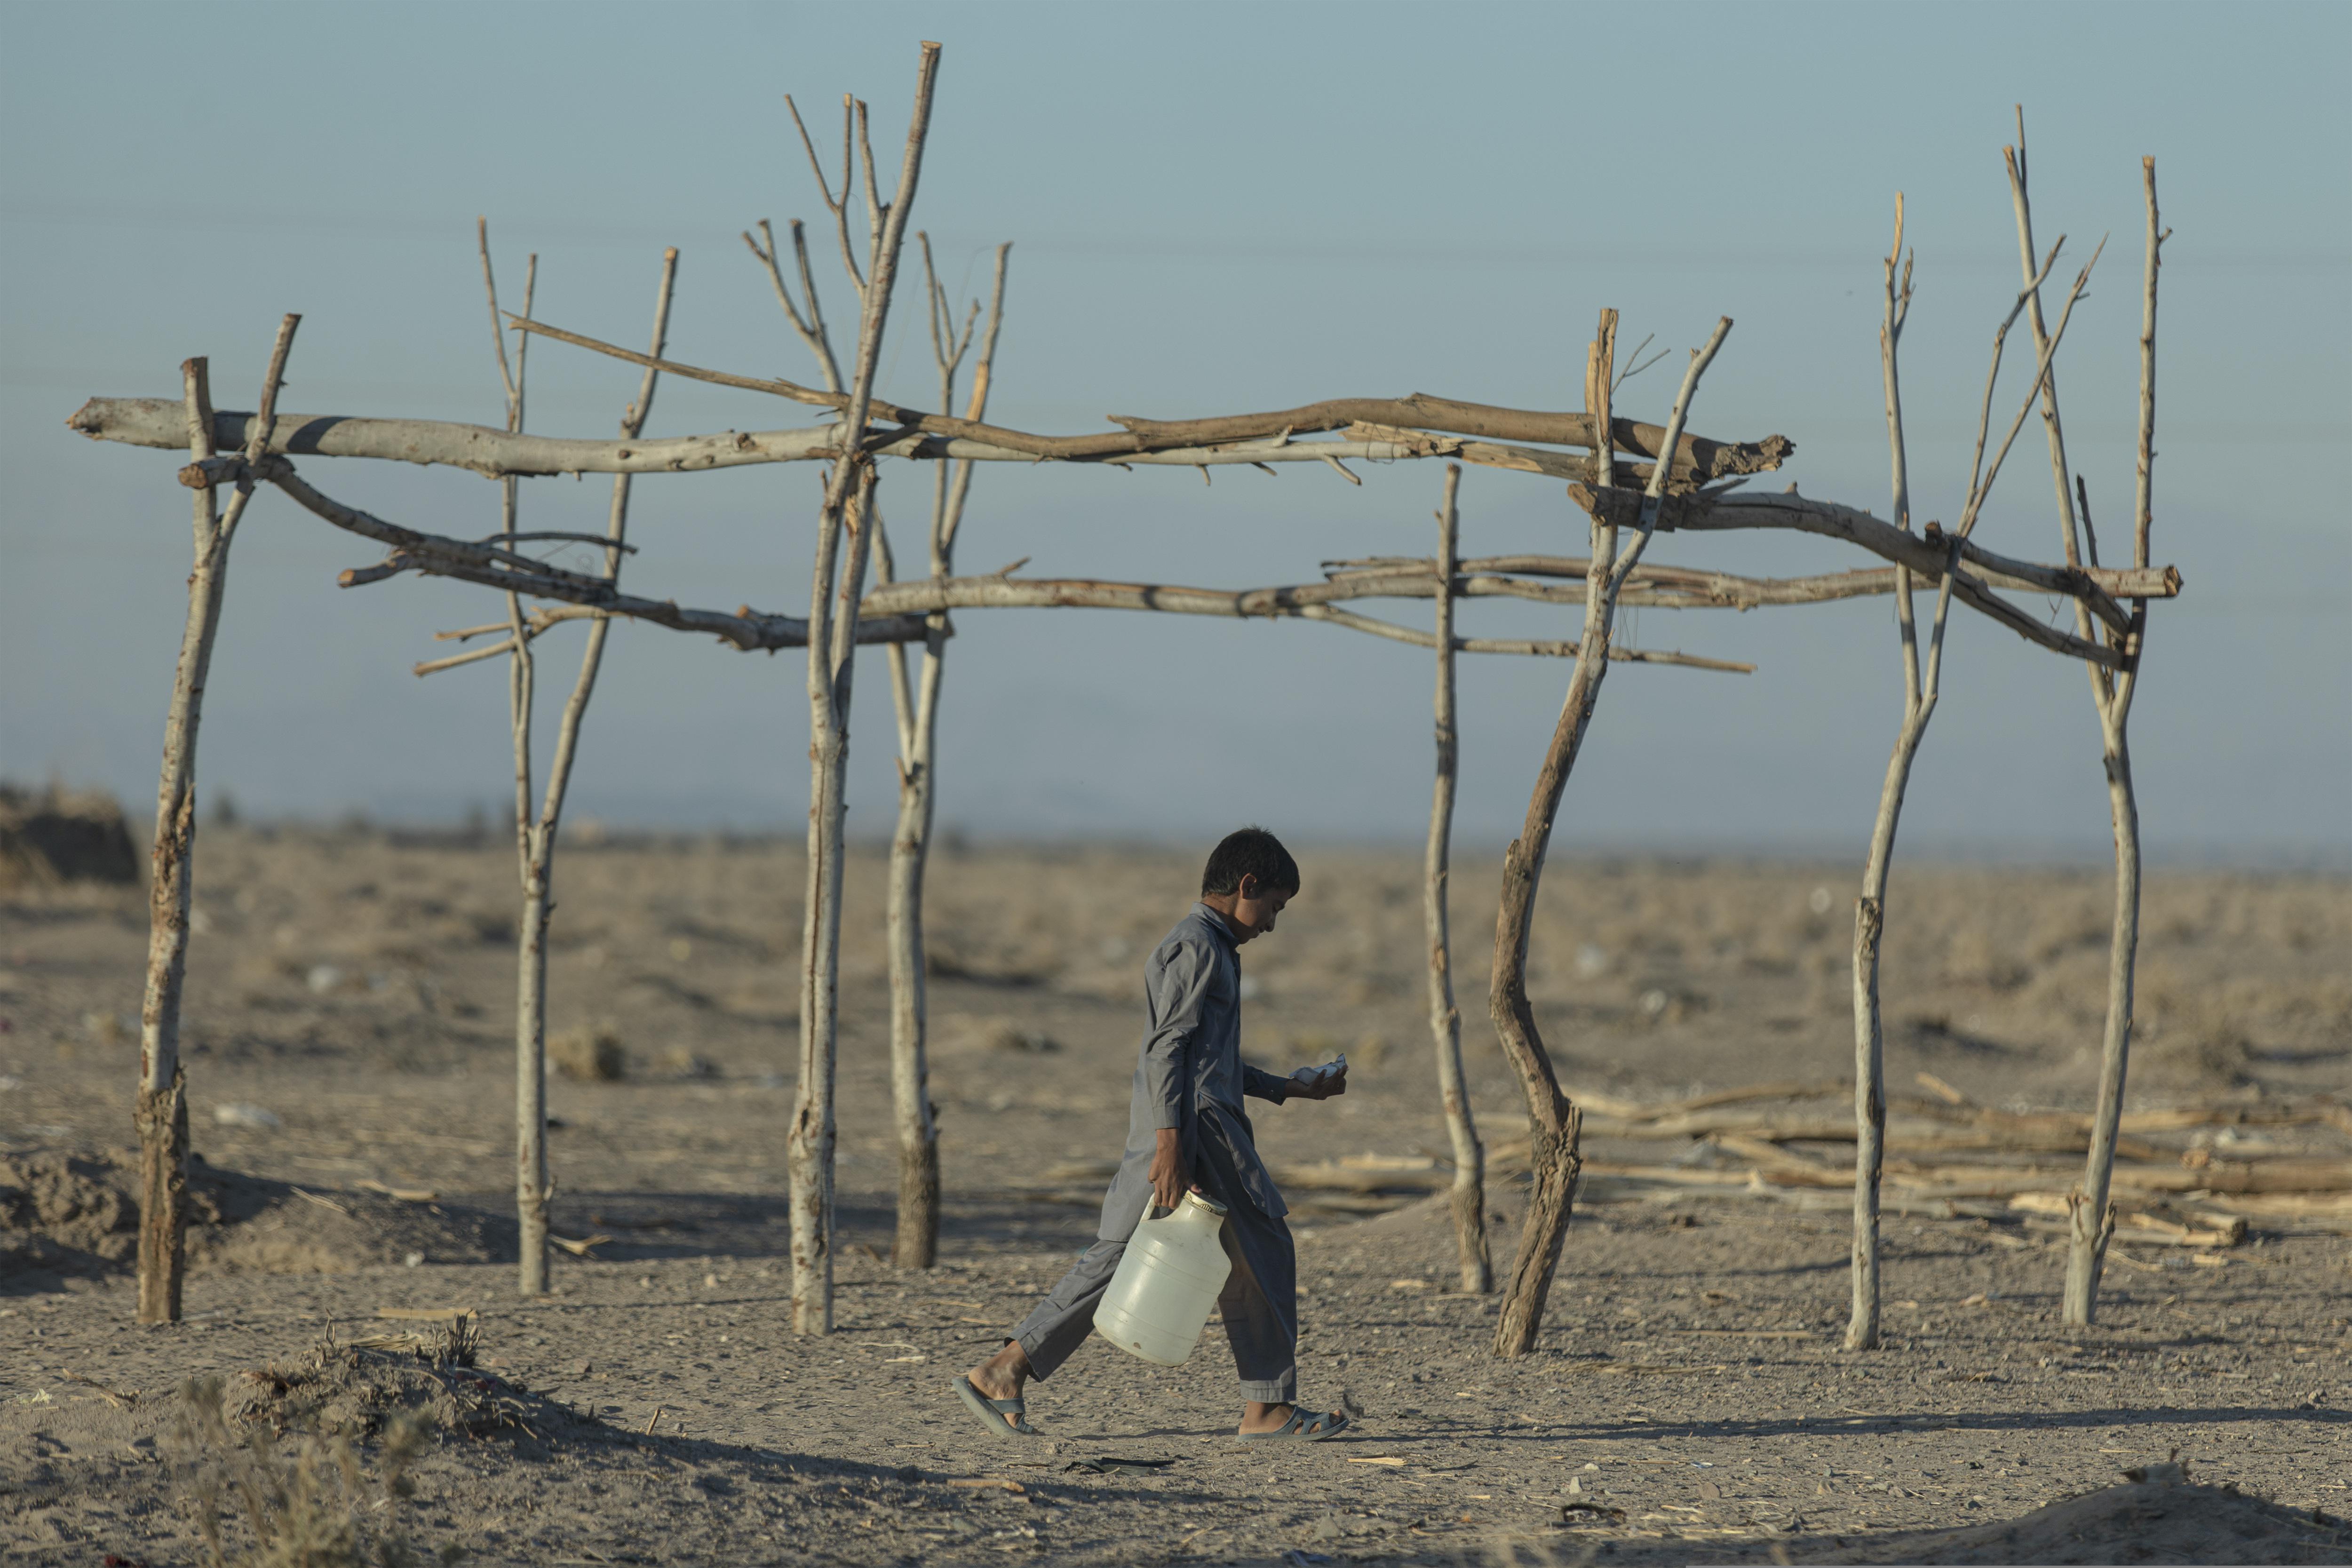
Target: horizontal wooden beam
(162, 422)
(1924, 553)
(1697, 458)
(1305, 601)
(1687, 587)
(468, 562)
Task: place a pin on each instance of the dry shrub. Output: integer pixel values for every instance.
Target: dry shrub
(1005, 1035)
(2188, 1032)
(56, 836)
(307, 1503)
(2065, 920)
(593, 1055)
(1971, 958)
(681, 1061)
(2071, 996)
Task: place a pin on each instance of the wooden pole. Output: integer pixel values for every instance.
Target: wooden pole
(1554, 1123)
(1307, 601)
(1696, 459)
(1469, 1199)
(539, 837)
(160, 1112)
(1870, 909)
(494, 453)
(2091, 1215)
(532, 1192)
(1920, 691)
(848, 500)
(915, 1245)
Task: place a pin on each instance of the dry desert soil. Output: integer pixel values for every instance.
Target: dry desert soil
(350, 1062)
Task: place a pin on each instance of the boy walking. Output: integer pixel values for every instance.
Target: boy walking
(1187, 1132)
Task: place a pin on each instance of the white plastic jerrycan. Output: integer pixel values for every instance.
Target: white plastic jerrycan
(1159, 1296)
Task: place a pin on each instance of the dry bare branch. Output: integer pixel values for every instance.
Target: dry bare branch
(533, 1190)
(1920, 691)
(917, 703)
(848, 502)
(1397, 421)
(2048, 354)
(438, 556)
(839, 206)
(810, 329)
(1925, 554)
(1553, 1120)
(1471, 1255)
(161, 1109)
(1680, 587)
(493, 453)
(1305, 601)
(2089, 1221)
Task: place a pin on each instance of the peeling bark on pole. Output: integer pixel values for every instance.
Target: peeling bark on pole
(160, 1113)
(1469, 1197)
(917, 1239)
(161, 1118)
(534, 1191)
(1554, 1124)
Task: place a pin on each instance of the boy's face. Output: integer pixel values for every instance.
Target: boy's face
(1255, 906)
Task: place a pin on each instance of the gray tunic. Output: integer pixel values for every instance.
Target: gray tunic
(1190, 1076)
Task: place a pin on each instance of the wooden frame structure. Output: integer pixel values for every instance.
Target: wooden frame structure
(1635, 481)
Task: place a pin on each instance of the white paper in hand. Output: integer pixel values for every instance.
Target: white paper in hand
(1318, 1076)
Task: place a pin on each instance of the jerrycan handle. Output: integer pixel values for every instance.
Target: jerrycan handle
(1193, 1202)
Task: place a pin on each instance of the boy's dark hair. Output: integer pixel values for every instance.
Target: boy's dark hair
(1251, 852)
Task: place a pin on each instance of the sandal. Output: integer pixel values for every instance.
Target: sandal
(1304, 1426)
(993, 1412)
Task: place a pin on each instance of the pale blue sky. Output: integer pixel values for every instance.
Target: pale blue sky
(1215, 209)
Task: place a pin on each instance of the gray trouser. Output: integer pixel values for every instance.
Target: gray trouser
(1259, 1304)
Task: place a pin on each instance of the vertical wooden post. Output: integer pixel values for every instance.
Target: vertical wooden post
(915, 1245)
(532, 1192)
(539, 838)
(1870, 908)
(2090, 1216)
(160, 1112)
(1554, 1123)
(1469, 1199)
(848, 499)
(2090, 1213)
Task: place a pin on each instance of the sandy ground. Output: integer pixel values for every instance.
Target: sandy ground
(347, 1016)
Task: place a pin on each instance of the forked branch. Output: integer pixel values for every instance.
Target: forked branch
(811, 327)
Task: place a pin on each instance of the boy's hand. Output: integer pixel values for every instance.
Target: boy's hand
(1168, 1175)
(1307, 1083)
